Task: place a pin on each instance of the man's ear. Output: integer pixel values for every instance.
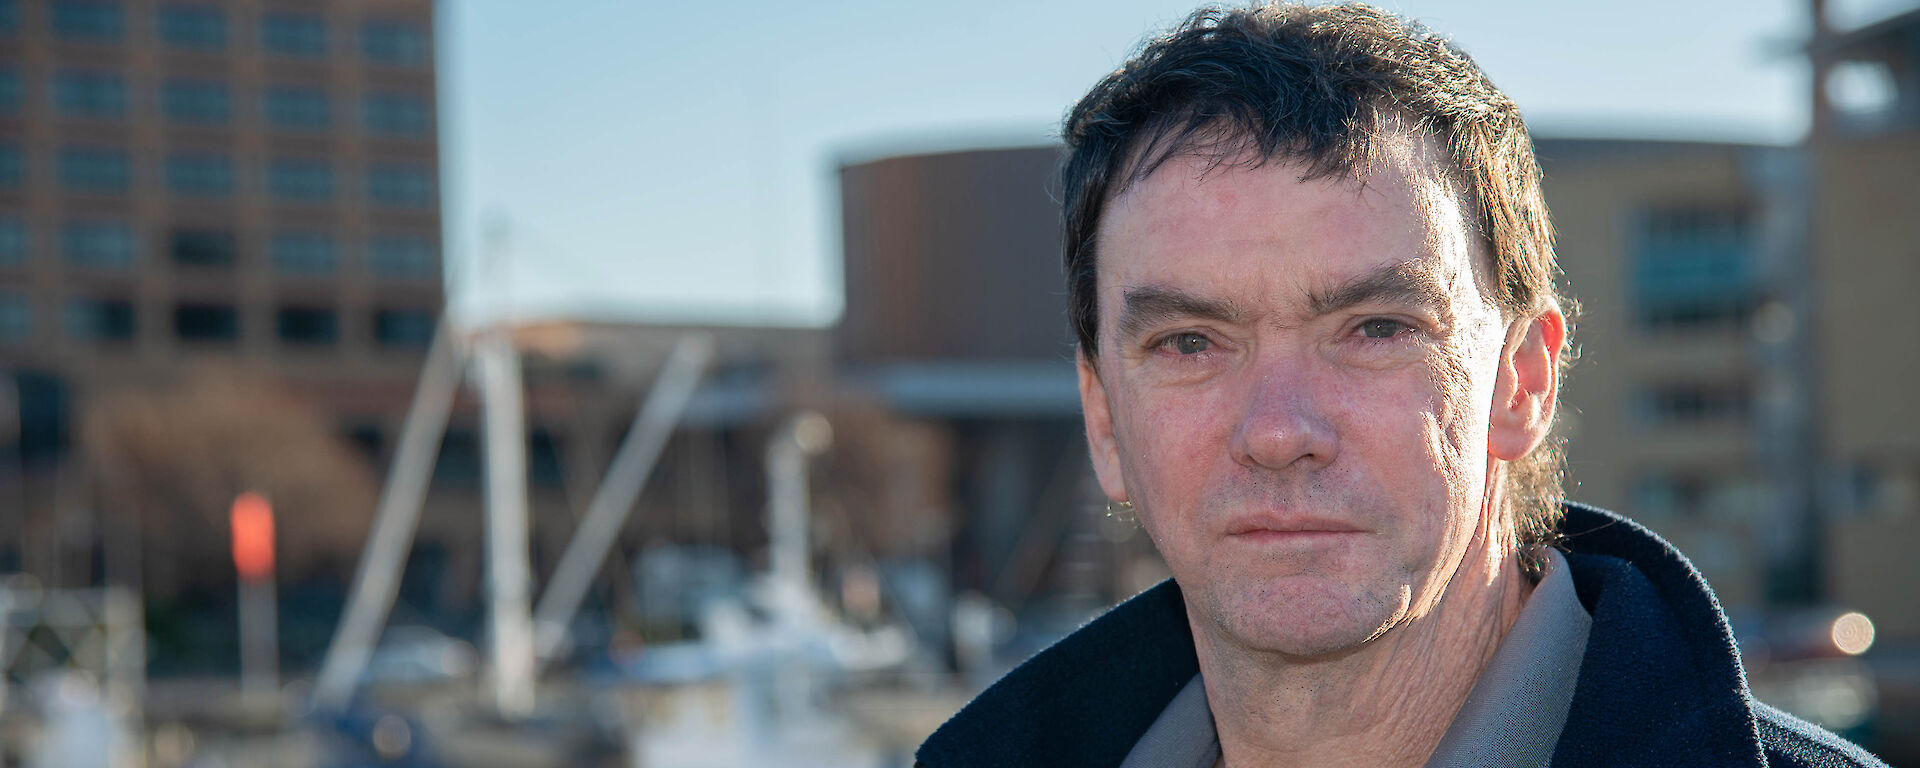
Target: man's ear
(1100, 440)
(1528, 387)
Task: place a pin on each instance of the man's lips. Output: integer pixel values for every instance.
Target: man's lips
(1264, 526)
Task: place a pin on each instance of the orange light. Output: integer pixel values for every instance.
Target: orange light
(1853, 633)
(252, 522)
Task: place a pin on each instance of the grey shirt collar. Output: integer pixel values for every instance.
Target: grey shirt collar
(1183, 735)
(1512, 717)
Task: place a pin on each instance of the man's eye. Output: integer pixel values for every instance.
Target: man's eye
(1189, 343)
(1383, 329)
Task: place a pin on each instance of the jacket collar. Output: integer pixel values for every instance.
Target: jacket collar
(1661, 683)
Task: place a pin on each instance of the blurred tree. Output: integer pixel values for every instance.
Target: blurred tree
(171, 459)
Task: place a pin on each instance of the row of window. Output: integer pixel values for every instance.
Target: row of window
(1693, 403)
(460, 459)
(103, 95)
(110, 170)
(111, 245)
(1693, 268)
(1696, 493)
(205, 27)
(114, 319)
(1721, 494)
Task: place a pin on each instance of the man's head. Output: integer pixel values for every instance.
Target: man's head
(1313, 86)
(1311, 273)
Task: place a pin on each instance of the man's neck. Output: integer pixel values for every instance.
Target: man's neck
(1385, 704)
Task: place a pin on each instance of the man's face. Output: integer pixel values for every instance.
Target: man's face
(1294, 387)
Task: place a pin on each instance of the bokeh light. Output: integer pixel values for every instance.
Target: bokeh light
(1853, 633)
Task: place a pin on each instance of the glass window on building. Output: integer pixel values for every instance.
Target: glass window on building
(97, 245)
(394, 327)
(396, 114)
(409, 257)
(1693, 268)
(301, 253)
(13, 166)
(300, 181)
(201, 248)
(459, 459)
(199, 174)
(1692, 403)
(194, 27)
(307, 326)
(294, 34)
(206, 322)
(86, 20)
(46, 418)
(9, 90)
(394, 42)
(83, 93)
(543, 459)
(94, 169)
(399, 185)
(292, 106)
(1664, 494)
(14, 241)
(16, 316)
(195, 101)
(368, 440)
(1696, 493)
(90, 318)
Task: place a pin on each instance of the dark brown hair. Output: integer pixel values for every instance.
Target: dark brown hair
(1314, 86)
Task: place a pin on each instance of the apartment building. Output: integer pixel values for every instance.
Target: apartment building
(208, 182)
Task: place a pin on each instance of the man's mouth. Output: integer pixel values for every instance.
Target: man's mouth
(1261, 526)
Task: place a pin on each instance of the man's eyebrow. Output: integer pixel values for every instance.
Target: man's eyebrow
(1408, 282)
(1149, 305)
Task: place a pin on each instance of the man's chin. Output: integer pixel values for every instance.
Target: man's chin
(1304, 647)
(1302, 627)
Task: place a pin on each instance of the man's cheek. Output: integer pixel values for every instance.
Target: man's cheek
(1185, 439)
(1154, 420)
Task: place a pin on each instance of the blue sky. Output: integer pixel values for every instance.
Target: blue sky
(653, 162)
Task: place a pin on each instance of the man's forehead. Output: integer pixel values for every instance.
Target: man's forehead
(1192, 200)
(1396, 145)
(1183, 205)
(1302, 237)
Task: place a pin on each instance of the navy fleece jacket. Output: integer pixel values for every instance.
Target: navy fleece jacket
(1660, 684)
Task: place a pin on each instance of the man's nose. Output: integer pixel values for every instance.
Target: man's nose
(1285, 421)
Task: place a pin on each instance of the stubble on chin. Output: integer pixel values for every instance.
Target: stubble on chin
(1297, 616)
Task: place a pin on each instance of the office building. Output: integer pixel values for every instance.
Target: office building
(192, 184)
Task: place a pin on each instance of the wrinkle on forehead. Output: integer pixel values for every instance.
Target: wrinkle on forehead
(1397, 144)
(1410, 155)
